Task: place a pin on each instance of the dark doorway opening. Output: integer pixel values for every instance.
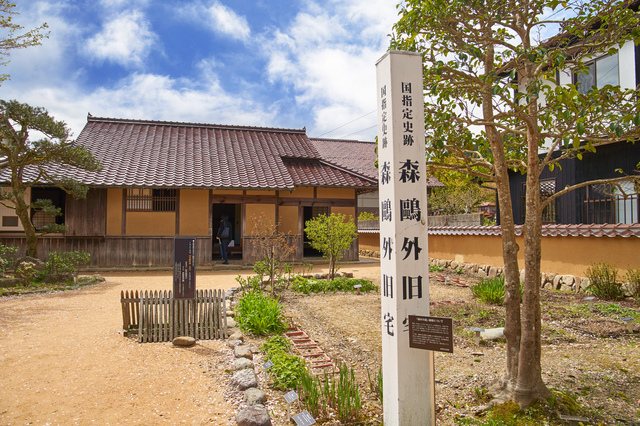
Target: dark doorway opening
(234, 217)
(57, 197)
(311, 213)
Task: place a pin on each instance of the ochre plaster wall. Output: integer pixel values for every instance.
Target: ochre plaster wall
(194, 212)
(227, 192)
(337, 193)
(151, 223)
(369, 242)
(560, 255)
(253, 192)
(299, 192)
(254, 210)
(347, 211)
(288, 219)
(114, 211)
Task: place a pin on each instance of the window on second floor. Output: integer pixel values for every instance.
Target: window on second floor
(599, 73)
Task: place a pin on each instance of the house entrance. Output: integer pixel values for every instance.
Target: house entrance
(311, 213)
(234, 215)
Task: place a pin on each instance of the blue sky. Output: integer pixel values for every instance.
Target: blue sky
(271, 63)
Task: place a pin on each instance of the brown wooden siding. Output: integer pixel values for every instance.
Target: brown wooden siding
(87, 217)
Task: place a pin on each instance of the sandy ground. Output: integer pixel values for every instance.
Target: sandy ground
(64, 360)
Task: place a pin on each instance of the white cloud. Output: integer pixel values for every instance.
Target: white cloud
(218, 18)
(125, 39)
(328, 55)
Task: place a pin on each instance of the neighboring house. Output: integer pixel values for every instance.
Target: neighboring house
(595, 204)
(166, 179)
(357, 156)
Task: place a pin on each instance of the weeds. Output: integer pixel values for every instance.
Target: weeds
(490, 291)
(375, 383)
(603, 281)
(311, 285)
(633, 278)
(259, 314)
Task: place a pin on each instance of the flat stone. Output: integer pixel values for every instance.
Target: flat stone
(243, 364)
(244, 379)
(237, 336)
(184, 341)
(493, 333)
(243, 351)
(9, 282)
(253, 416)
(231, 322)
(233, 343)
(254, 396)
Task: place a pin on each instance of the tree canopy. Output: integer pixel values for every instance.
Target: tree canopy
(13, 39)
(493, 104)
(25, 163)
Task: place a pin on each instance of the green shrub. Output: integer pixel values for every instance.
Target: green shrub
(61, 266)
(633, 279)
(7, 257)
(259, 314)
(367, 216)
(603, 281)
(275, 344)
(287, 370)
(490, 291)
(311, 285)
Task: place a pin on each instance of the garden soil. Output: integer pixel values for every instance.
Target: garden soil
(64, 360)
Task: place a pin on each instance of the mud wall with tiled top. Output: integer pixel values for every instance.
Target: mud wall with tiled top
(561, 254)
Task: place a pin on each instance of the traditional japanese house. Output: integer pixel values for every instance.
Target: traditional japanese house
(165, 179)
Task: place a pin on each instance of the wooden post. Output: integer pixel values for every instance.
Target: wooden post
(408, 374)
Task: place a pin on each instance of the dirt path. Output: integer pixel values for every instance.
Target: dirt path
(63, 359)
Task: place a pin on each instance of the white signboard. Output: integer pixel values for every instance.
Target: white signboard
(408, 377)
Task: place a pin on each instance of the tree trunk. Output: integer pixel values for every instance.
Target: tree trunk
(504, 388)
(530, 385)
(22, 210)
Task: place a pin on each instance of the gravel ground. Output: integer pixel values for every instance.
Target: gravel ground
(65, 361)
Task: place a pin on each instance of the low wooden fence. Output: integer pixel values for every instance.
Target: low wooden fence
(157, 317)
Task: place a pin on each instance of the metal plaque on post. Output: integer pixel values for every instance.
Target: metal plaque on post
(184, 268)
(431, 333)
(408, 375)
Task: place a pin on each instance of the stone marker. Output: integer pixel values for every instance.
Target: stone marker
(493, 333)
(244, 379)
(256, 415)
(184, 341)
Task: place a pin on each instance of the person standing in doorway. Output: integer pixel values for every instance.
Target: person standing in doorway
(224, 236)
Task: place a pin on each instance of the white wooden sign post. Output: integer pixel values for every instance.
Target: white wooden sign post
(408, 375)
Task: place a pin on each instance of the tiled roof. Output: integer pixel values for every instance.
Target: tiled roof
(355, 155)
(593, 230)
(143, 153)
(319, 173)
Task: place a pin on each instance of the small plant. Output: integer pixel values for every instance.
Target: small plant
(251, 283)
(339, 393)
(459, 270)
(287, 370)
(27, 272)
(375, 383)
(331, 235)
(61, 266)
(311, 285)
(275, 344)
(603, 281)
(259, 314)
(633, 279)
(367, 216)
(436, 268)
(490, 291)
(7, 257)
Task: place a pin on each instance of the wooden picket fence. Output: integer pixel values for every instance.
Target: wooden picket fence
(155, 316)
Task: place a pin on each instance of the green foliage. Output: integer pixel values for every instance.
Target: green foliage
(490, 291)
(375, 383)
(331, 235)
(367, 216)
(7, 257)
(603, 281)
(61, 266)
(287, 370)
(436, 268)
(633, 282)
(311, 285)
(459, 199)
(339, 393)
(27, 272)
(250, 283)
(259, 314)
(274, 344)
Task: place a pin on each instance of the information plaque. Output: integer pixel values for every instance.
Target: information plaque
(431, 333)
(304, 419)
(184, 268)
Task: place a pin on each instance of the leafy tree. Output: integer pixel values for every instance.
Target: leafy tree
(492, 104)
(331, 235)
(12, 40)
(25, 163)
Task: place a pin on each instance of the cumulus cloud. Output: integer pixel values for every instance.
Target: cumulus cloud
(219, 19)
(126, 40)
